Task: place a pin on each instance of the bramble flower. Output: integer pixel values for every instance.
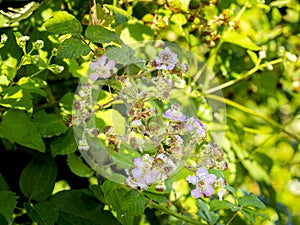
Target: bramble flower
(174, 114)
(203, 181)
(195, 126)
(143, 174)
(149, 170)
(166, 60)
(101, 68)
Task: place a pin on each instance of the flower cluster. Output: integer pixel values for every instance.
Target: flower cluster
(175, 138)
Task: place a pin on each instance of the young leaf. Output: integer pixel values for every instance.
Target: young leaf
(49, 125)
(43, 213)
(8, 203)
(78, 167)
(64, 144)
(19, 129)
(251, 200)
(38, 178)
(63, 23)
(100, 34)
(240, 40)
(73, 48)
(133, 203)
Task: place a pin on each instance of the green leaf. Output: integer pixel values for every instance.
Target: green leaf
(78, 167)
(16, 15)
(18, 128)
(203, 210)
(97, 192)
(63, 23)
(17, 98)
(66, 103)
(156, 197)
(64, 144)
(251, 200)
(113, 192)
(76, 207)
(123, 56)
(49, 125)
(73, 48)
(240, 40)
(3, 184)
(133, 203)
(38, 178)
(33, 85)
(43, 213)
(119, 14)
(253, 56)
(217, 205)
(7, 205)
(100, 34)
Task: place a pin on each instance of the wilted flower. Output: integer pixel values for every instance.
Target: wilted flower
(184, 67)
(166, 60)
(203, 181)
(101, 68)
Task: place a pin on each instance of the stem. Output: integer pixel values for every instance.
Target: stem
(251, 112)
(51, 98)
(172, 213)
(248, 74)
(234, 215)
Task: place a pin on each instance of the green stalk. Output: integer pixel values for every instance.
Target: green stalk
(251, 112)
(248, 74)
(172, 213)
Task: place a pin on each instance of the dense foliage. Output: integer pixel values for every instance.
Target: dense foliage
(56, 56)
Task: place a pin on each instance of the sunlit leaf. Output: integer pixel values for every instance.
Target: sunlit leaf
(49, 125)
(251, 200)
(100, 34)
(240, 40)
(16, 15)
(63, 23)
(33, 85)
(217, 205)
(17, 98)
(119, 14)
(73, 48)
